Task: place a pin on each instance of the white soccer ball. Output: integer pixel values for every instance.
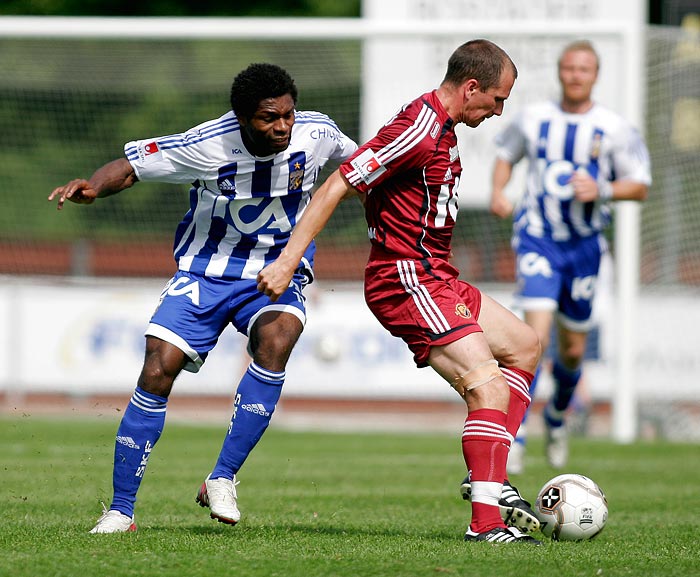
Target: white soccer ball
(571, 508)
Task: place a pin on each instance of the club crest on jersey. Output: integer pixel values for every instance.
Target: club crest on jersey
(462, 310)
(368, 166)
(149, 151)
(296, 177)
(454, 153)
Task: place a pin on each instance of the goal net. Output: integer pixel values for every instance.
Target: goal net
(671, 216)
(68, 105)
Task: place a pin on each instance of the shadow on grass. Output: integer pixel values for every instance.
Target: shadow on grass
(311, 529)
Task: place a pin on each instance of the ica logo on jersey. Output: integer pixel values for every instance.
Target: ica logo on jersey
(556, 178)
(259, 215)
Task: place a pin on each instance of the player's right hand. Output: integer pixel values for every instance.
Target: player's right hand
(274, 279)
(78, 190)
(501, 206)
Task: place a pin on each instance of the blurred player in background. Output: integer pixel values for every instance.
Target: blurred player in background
(581, 157)
(407, 176)
(252, 171)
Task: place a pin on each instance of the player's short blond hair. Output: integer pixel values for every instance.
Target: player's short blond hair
(580, 45)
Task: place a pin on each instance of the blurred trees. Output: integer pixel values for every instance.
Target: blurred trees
(310, 8)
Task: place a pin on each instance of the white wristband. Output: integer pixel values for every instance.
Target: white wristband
(605, 190)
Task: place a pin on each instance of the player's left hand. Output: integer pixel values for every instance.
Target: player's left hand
(585, 188)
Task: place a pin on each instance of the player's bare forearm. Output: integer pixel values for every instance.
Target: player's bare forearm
(501, 206)
(274, 279)
(113, 177)
(109, 179)
(629, 190)
(586, 189)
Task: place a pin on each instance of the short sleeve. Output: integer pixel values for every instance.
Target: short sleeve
(630, 156)
(153, 159)
(511, 143)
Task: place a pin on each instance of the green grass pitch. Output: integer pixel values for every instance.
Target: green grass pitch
(326, 504)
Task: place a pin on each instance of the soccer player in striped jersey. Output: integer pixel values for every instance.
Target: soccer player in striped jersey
(251, 173)
(581, 157)
(407, 176)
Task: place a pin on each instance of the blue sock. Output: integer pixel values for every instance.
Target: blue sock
(138, 432)
(565, 382)
(256, 399)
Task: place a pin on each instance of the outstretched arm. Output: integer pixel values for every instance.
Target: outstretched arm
(274, 279)
(110, 179)
(500, 204)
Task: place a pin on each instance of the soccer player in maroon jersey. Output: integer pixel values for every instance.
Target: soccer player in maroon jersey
(407, 178)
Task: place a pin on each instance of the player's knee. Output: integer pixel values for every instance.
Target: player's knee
(571, 359)
(484, 385)
(273, 337)
(530, 350)
(494, 394)
(157, 377)
(571, 354)
(273, 350)
(154, 380)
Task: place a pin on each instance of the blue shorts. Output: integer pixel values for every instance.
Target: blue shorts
(194, 310)
(559, 276)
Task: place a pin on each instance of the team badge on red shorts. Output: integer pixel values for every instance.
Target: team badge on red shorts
(461, 310)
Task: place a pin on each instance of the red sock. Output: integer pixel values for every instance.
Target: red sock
(519, 382)
(485, 446)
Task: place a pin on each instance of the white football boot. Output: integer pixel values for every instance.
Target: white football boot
(220, 496)
(114, 521)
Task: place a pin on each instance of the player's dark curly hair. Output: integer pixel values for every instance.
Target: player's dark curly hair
(256, 83)
(479, 59)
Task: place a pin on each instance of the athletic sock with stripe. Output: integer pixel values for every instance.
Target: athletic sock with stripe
(485, 444)
(139, 430)
(256, 399)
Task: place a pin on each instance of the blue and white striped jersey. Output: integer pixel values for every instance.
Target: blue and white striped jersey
(557, 144)
(243, 208)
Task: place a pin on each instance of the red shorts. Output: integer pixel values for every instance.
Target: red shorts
(422, 302)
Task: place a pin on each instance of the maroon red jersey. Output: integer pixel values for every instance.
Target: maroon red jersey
(410, 172)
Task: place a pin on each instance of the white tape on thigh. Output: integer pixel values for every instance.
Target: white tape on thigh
(478, 376)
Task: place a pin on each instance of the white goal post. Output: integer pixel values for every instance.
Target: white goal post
(621, 87)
